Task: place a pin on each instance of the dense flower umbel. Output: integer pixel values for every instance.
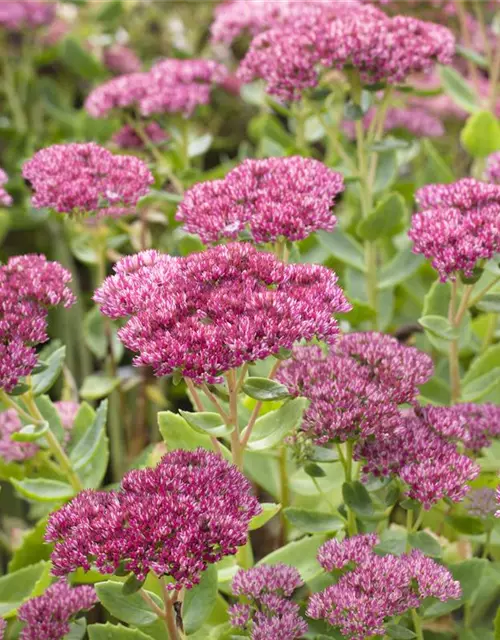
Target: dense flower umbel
(209, 312)
(416, 120)
(381, 48)
(458, 225)
(272, 199)
(377, 588)
(355, 389)
(493, 167)
(16, 15)
(29, 286)
(480, 423)
(119, 93)
(270, 614)
(48, 616)
(421, 455)
(128, 138)
(5, 198)
(86, 178)
(189, 511)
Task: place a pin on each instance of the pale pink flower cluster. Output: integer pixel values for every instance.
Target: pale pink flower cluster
(271, 199)
(209, 312)
(121, 59)
(170, 86)
(5, 198)
(458, 224)
(16, 15)
(493, 168)
(87, 179)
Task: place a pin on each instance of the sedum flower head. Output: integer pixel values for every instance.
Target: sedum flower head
(493, 168)
(128, 138)
(29, 286)
(48, 616)
(271, 199)
(209, 312)
(16, 15)
(86, 178)
(118, 93)
(482, 503)
(337, 555)
(457, 225)
(121, 59)
(5, 198)
(279, 579)
(10, 450)
(356, 388)
(191, 510)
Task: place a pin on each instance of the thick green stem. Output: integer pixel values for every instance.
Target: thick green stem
(486, 548)
(284, 494)
(236, 448)
(352, 527)
(184, 144)
(170, 615)
(417, 624)
(13, 99)
(300, 126)
(199, 407)
(454, 365)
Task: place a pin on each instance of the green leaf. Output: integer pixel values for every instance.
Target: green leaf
(473, 56)
(50, 413)
(43, 490)
(481, 134)
(300, 554)
(478, 388)
(360, 312)
(435, 168)
(467, 524)
(459, 90)
(83, 421)
(314, 470)
(199, 145)
(343, 247)
(74, 56)
(94, 333)
(84, 450)
(439, 326)
(200, 601)
(30, 432)
(390, 143)
(393, 542)
(309, 521)
(440, 609)
(272, 427)
(42, 382)
(132, 585)
(357, 498)
(400, 268)
(385, 220)
(483, 364)
(497, 624)
(399, 632)
(269, 510)
(77, 630)
(387, 171)
(264, 389)
(115, 632)
(490, 303)
(474, 277)
(18, 586)
(31, 549)
(128, 608)
(426, 543)
(323, 454)
(469, 573)
(207, 422)
(97, 386)
(178, 434)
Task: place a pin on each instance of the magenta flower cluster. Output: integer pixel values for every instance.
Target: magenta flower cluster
(493, 168)
(207, 313)
(191, 510)
(48, 616)
(170, 86)
(16, 15)
(128, 138)
(422, 451)
(378, 588)
(5, 198)
(86, 178)
(271, 199)
(29, 286)
(381, 48)
(356, 388)
(417, 120)
(268, 612)
(457, 225)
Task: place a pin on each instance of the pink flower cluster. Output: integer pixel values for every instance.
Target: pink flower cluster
(421, 452)
(171, 86)
(417, 120)
(16, 15)
(482, 503)
(121, 59)
(480, 423)
(379, 47)
(269, 613)
(191, 510)
(493, 168)
(378, 588)
(5, 198)
(48, 616)
(271, 199)
(29, 286)
(458, 224)
(355, 389)
(209, 312)
(86, 178)
(128, 138)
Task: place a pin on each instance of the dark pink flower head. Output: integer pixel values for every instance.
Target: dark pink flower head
(493, 168)
(417, 120)
(119, 93)
(458, 225)
(48, 616)
(480, 423)
(5, 198)
(179, 86)
(271, 199)
(86, 178)
(12, 451)
(29, 286)
(128, 138)
(16, 15)
(351, 551)
(191, 510)
(420, 453)
(379, 588)
(355, 389)
(120, 59)
(209, 312)
(270, 614)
